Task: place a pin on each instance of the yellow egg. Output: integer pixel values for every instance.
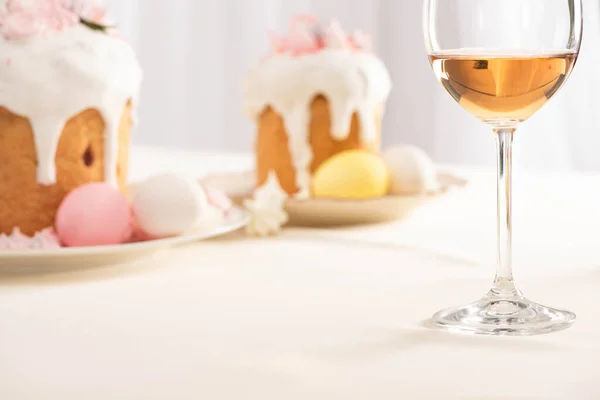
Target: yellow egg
(352, 174)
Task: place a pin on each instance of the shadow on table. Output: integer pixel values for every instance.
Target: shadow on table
(408, 339)
(302, 233)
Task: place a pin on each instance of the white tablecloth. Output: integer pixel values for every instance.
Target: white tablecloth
(317, 314)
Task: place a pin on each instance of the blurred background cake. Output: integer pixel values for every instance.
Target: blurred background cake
(320, 92)
(68, 90)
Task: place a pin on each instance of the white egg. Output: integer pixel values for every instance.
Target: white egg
(412, 170)
(168, 205)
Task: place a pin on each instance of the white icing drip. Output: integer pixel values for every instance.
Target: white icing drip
(369, 129)
(112, 119)
(352, 81)
(45, 146)
(296, 122)
(341, 111)
(51, 78)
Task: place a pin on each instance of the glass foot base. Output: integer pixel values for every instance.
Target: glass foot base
(493, 315)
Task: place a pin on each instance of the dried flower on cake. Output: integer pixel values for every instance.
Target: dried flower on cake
(21, 19)
(307, 36)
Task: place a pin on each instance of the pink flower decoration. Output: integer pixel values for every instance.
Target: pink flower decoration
(361, 40)
(305, 36)
(302, 43)
(301, 39)
(23, 19)
(304, 23)
(336, 38)
(277, 43)
(89, 11)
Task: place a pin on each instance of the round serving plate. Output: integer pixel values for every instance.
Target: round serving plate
(338, 212)
(323, 212)
(86, 257)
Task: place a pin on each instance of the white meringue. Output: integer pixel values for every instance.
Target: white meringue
(45, 239)
(267, 208)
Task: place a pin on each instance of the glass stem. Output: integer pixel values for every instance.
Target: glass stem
(503, 283)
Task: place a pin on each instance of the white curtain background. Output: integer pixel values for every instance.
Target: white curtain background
(195, 53)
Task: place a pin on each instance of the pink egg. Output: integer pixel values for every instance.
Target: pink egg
(94, 214)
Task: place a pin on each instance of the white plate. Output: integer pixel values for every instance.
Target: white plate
(336, 212)
(85, 257)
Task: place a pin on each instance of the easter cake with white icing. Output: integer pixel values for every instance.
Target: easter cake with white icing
(319, 93)
(68, 91)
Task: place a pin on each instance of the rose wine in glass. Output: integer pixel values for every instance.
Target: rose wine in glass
(502, 65)
(500, 89)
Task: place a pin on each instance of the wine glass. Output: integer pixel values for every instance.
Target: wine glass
(502, 60)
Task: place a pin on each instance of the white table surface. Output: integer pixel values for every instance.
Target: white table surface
(317, 314)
